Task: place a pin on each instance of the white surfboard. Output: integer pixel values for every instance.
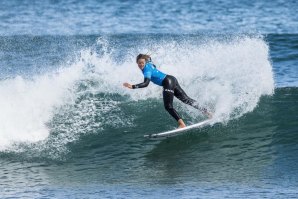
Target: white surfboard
(179, 131)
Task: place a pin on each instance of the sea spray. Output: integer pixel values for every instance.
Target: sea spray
(28, 104)
(227, 76)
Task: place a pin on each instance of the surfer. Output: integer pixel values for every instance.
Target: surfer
(170, 86)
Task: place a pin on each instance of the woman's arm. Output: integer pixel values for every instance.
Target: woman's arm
(141, 85)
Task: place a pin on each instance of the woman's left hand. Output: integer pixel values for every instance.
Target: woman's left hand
(127, 85)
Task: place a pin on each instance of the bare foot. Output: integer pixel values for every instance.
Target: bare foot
(209, 115)
(181, 124)
(205, 112)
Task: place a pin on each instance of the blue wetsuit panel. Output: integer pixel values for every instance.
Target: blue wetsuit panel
(150, 72)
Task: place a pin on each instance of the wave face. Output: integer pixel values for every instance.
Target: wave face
(226, 75)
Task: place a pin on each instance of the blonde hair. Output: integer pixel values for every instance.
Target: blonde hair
(143, 56)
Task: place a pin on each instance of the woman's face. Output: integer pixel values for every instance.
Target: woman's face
(141, 63)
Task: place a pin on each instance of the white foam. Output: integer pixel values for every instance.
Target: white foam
(27, 105)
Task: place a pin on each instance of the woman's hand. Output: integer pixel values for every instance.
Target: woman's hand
(127, 85)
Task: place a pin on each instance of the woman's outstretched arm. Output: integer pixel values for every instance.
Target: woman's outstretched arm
(140, 85)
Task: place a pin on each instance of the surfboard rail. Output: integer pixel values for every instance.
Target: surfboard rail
(172, 133)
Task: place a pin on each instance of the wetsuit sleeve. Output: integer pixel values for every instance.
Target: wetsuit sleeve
(143, 84)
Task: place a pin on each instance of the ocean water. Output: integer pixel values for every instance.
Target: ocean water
(68, 128)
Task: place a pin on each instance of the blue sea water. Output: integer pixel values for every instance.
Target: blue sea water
(130, 16)
(68, 129)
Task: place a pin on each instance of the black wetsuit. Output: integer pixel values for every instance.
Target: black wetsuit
(172, 88)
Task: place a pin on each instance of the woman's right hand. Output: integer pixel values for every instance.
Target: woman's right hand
(127, 85)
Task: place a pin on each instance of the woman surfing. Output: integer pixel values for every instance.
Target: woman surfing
(170, 86)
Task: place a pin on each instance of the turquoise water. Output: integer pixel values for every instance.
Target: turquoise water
(68, 129)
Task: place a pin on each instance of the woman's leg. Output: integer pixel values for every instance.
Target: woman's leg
(168, 96)
(181, 95)
(169, 84)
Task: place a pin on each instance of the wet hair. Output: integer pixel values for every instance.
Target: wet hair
(143, 56)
